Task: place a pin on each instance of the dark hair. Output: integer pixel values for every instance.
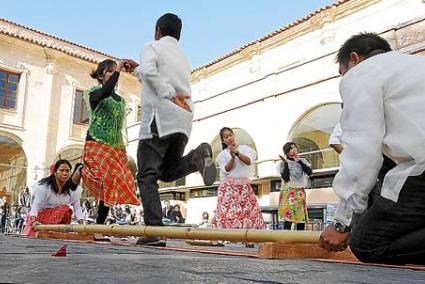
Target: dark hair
(287, 147)
(170, 25)
(364, 44)
(224, 145)
(205, 212)
(87, 204)
(104, 65)
(51, 180)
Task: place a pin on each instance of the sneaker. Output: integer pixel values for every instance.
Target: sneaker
(205, 163)
(151, 241)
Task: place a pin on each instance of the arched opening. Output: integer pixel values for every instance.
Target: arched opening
(311, 133)
(242, 138)
(306, 145)
(74, 154)
(13, 167)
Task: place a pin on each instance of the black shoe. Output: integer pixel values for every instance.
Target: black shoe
(205, 163)
(151, 241)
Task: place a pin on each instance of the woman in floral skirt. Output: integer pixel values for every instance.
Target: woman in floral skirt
(237, 206)
(292, 199)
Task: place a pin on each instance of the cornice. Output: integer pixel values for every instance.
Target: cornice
(310, 23)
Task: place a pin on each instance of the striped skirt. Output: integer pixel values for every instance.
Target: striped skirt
(107, 174)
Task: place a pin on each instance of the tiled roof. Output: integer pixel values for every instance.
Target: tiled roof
(28, 34)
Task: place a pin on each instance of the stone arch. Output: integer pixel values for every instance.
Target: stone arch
(311, 133)
(13, 166)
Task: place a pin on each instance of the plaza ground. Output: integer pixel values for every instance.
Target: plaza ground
(24, 260)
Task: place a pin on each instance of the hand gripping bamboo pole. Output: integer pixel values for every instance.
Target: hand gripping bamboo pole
(189, 233)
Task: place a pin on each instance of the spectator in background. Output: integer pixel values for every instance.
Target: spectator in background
(205, 221)
(166, 211)
(140, 219)
(25, 197)
(131, 218)
(176, 215)
(3, 213)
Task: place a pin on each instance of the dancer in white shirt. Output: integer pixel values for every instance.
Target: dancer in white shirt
(53, 197)
(237, 206)
(167, 114)
(383, 96)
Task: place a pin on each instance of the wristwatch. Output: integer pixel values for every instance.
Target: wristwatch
(341, 227)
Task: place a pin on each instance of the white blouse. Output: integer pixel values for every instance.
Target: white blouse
(44, 197)
(381, 115)
(240, 169)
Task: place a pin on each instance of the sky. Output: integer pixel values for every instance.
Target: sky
(121, 28)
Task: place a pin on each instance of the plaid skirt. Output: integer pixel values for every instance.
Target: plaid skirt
(107, 174)
(237, 206)
(57, 215)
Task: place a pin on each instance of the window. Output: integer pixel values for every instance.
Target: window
(173, 196)
(204, 192)
(311, 134)
(322, 179)
(275, 185)
(81, 115)
(8, 89)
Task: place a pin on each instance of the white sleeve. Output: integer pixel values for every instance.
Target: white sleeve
(363, 129)
(39, 197)
(222, 161)
(75, 202)
(335, 137)
(246, 150)
(147, 73)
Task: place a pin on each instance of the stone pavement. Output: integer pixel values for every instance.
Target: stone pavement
(28, 261)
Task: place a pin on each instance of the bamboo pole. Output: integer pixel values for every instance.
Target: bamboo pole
(189, 233)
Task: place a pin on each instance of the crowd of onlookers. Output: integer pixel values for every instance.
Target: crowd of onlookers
(13, 216)
(119, 214)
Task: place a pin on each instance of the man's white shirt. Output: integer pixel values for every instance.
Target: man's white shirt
(335, 137)
(384, 112)
(164, 71)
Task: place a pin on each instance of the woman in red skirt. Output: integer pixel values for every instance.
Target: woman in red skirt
(106, 172)
(53, 198)
(237, 206)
